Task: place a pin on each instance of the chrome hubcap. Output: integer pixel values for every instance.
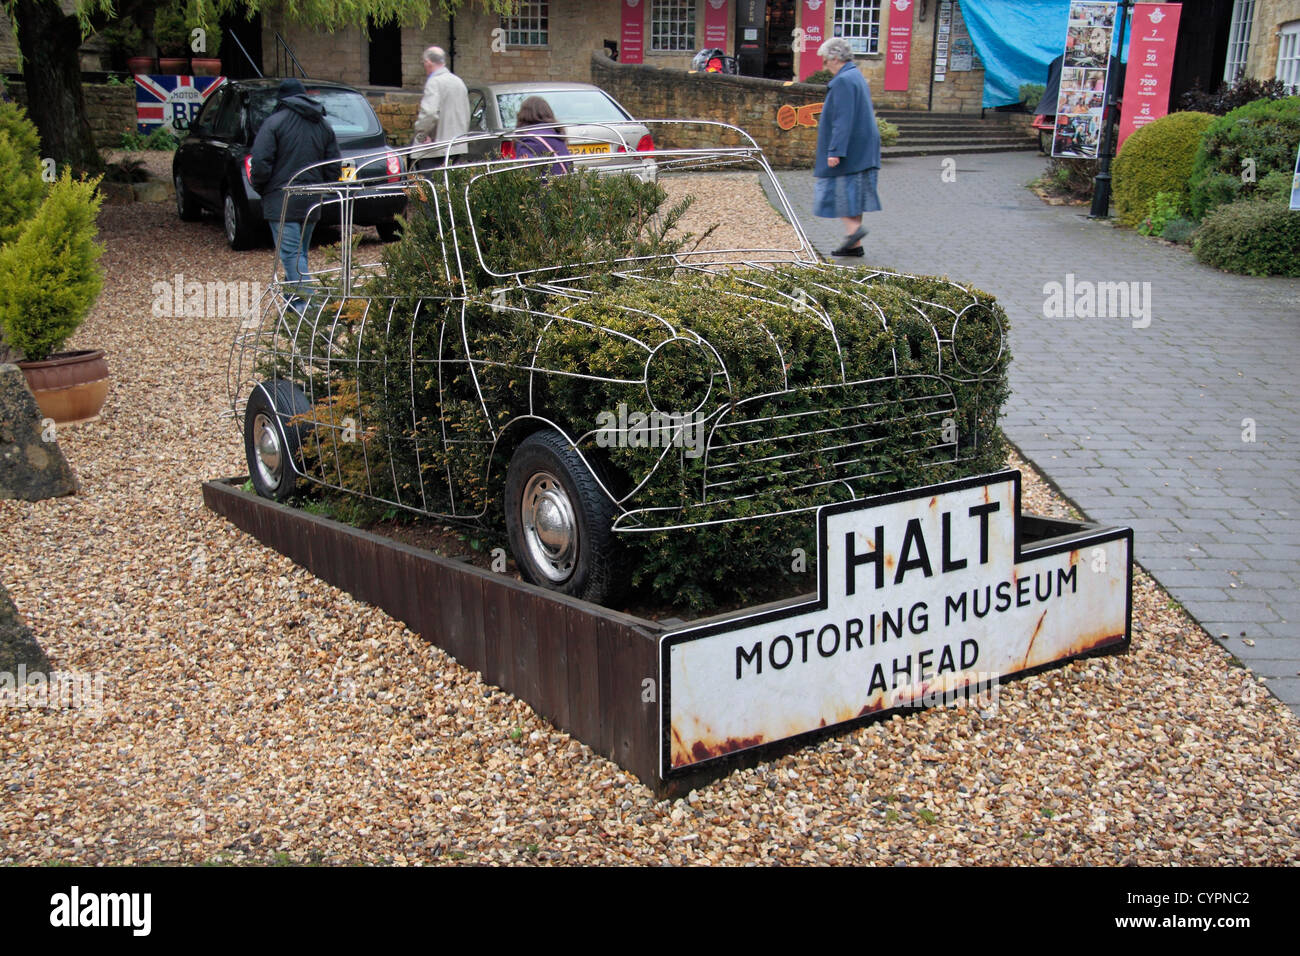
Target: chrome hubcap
(266, 443)
(231, 220)
(550, 529)
(180, 195)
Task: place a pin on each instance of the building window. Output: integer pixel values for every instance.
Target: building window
(858, 21)
(672, 26)
(1288, 55)
(529, 26)
(1243, 14)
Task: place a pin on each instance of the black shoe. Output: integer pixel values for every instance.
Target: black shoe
(856, 252)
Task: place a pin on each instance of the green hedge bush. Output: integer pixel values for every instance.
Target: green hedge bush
(1156, 159)
(1254, 236)
(1265, 131)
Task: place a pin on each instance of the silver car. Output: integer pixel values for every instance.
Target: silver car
(595, 126)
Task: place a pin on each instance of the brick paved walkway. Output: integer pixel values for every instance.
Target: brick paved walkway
(1142, 427)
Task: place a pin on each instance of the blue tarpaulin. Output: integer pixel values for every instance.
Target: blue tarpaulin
(1016, 39)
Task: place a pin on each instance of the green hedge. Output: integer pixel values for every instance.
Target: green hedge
(407, 422)
(1265, 131)
(1254, 236)
(1157, 159)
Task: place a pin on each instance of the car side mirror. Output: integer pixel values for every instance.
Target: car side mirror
(180, 124)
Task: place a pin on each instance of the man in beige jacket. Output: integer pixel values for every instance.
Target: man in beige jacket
(444, 112)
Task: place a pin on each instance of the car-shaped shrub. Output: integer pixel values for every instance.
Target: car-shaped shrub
(616, 373)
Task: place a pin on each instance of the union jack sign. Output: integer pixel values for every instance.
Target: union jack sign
(161, 100)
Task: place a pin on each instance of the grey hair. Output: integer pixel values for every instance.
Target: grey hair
(836, 48)
(436, 55)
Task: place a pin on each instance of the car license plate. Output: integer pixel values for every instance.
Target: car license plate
(585, 149)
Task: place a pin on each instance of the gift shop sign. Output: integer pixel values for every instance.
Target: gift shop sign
(898, 49)
(811, 35)
(1150, 65)
(920, 595)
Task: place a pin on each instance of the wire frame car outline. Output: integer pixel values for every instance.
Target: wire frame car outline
(308, 346)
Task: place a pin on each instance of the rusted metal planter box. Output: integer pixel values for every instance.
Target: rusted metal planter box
(593, 672)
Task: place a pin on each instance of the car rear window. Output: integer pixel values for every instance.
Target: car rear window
(569, 106)
(347, 112)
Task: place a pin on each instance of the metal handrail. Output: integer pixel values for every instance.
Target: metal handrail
(281, 43)
(256, 68)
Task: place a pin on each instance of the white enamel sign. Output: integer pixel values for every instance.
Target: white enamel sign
(922, 594)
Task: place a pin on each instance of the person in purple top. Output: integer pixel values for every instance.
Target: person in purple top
(545, 139)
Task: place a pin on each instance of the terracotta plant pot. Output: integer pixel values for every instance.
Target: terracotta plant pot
(174, 64)
(205, 66)
(142, 64)
(69, 387)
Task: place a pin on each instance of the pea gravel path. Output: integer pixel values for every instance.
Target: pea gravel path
(253, 713)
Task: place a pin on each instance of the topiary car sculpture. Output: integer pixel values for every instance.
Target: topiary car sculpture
(615, 370)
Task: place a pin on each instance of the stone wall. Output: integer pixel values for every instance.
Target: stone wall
(110, 109)
(1261, 61)
(751, 103)
(396, 112)
(960, 91)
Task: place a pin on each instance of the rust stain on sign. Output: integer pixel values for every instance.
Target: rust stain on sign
(703, 750)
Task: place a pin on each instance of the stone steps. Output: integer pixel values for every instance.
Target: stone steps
(957, 149)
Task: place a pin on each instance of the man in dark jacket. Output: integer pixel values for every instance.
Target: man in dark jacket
(293, 137)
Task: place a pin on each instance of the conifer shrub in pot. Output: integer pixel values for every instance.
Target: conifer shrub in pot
(49, 279)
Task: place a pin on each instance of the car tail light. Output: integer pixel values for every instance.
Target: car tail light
(248, 168)
(394, 167)
(644, 145)
(507, 149)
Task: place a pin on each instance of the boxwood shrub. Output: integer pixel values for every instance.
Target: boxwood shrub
(1157, 159)
(406, 448)
(1266, 132)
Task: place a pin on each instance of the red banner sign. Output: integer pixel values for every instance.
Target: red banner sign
(715, 24)
(812, 34)
(898, 52)
(1150, 65)
(631, 44)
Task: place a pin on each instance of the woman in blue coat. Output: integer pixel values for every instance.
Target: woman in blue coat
(848, 148)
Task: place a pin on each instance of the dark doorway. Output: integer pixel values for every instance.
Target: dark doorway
(1202, 46)
(236, 32)
(385, 53)
(751, 36)
(780, 30)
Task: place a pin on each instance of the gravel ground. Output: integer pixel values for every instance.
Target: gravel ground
(252, 713)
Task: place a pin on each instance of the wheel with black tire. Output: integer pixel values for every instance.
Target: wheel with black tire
(559, 521)
(389, 231)
(270, 445)
(187, 206)
(239, 231)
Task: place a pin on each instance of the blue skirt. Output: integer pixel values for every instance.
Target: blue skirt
(835, 197)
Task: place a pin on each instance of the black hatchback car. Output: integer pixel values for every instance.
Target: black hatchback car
(211, 167)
